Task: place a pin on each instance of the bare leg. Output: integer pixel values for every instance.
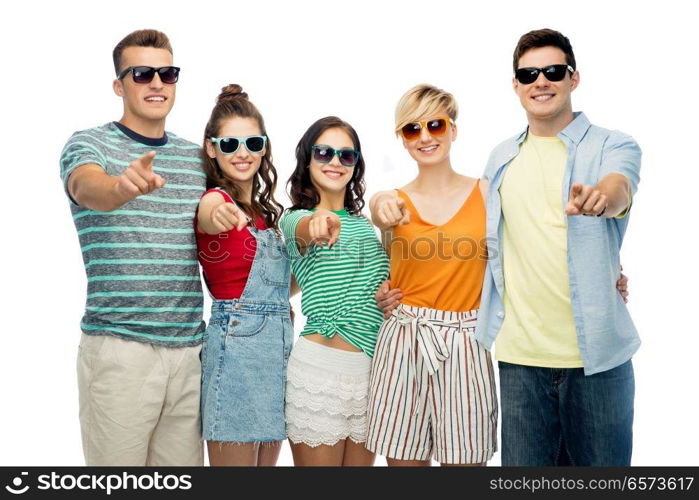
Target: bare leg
(321, 455)
(232, 454)
(356, 455)
(392, 462)
(268, 454)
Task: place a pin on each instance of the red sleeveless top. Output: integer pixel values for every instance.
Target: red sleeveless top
(226, 258)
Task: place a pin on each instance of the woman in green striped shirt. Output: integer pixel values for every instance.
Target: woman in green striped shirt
(338, 263)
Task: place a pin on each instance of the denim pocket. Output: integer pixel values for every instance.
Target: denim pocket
(275, 263)
(209, 337)
(218, 320)
(246, 325)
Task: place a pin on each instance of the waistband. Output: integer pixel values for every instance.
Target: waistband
(249, 306)
(448, 319)
(331, 359)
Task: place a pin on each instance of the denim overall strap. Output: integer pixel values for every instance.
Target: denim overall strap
(270, 274)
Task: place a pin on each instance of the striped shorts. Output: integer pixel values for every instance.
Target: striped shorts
(432, 390)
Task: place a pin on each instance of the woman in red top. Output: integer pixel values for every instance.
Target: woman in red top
(246, 269)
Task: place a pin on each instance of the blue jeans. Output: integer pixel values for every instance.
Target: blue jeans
(559, 416)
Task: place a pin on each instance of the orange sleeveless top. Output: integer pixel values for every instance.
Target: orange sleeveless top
(441, 267)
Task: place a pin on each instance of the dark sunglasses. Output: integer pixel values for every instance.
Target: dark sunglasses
(553, 73)
(145, 74)
(229, 145)
(325, 154)
(436, 128)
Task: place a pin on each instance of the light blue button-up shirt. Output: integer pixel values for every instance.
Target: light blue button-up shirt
(606, 335)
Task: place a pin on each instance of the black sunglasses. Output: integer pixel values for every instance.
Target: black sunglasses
(325, 154)
(553, 73)
(145, 74)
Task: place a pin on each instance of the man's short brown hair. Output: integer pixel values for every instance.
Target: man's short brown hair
(543, 38)
(140, 38)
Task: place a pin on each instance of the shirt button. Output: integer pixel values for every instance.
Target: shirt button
(501, 314)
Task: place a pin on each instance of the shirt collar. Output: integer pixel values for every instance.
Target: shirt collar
(148, 141)
(575, 130)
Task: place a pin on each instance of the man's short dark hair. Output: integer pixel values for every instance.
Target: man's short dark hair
(140, 38)
(543, 38)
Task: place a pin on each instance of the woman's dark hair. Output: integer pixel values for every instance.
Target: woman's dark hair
(303, 194)
(233, 102)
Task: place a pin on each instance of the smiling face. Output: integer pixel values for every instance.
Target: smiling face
(242, 165)
(145, 103)
(429, 150)
(332, 177)
(543, 100)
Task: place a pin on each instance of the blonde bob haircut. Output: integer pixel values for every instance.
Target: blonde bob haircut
(423, 102)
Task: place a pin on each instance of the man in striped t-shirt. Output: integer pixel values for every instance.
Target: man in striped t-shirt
(133, 190)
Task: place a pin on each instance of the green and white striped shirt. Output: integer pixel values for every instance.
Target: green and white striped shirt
(338, 284)
(141, 259)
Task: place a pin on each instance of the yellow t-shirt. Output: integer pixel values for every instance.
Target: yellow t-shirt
(538, 328)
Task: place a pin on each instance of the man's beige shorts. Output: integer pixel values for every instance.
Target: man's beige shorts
(139, 403)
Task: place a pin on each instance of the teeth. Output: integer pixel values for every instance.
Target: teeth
(428, 149)
(156, 99)
(333, 174)
(541, 98)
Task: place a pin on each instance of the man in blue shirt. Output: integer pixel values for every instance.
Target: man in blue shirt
(558, 203)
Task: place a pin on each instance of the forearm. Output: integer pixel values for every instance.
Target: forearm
(207, 205)
(618, 192)
(204, 222)
(386, 238)
(372, 208)
(303, 234)
(93, 188)
(294, 288)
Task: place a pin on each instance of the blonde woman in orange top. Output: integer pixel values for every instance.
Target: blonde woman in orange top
(432, 393)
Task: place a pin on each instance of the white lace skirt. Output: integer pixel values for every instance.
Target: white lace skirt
(326, 394)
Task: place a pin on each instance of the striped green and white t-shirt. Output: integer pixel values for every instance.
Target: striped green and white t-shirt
(338, 284)
(141, 259)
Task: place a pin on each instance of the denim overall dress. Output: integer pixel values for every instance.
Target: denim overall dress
(245, 352)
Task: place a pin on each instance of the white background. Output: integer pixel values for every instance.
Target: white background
(300, 61)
